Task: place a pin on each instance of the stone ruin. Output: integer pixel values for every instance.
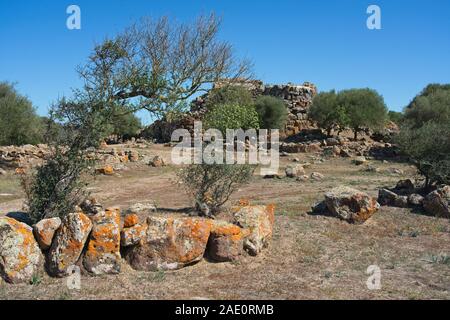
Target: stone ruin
(298, 99)
(100, 241)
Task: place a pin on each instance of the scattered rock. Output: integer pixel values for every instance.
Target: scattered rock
(437, 203)
(91, 206)
(44, 231)
(303, 178)
(147, 208)
(133, 156)
(259, 220)
(316, 176)
(359, 161)
(103, 252)
(107, 170)
(170, 243)
(388, 198)
(293, 171)
(68, 243)
(225, 242)
(20, 256)
(415, 200)
(2, 172)
(405, 186)
(157, 162)
(350, 205)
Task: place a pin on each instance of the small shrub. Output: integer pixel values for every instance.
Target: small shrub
(232, 116)
(56, 187)
(272, 112)
(211, 185)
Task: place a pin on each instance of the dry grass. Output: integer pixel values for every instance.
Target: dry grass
(311, 257)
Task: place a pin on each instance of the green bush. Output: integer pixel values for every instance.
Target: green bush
(232, 116)
(211, 185)
(425, 133)
(54, 189)
(326, 112)
(124, 123)
(272, 112)
(231, 94)
(395, 117)
(19, 123)
(364, 108)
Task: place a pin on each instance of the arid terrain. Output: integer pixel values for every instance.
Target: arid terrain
(310, 257)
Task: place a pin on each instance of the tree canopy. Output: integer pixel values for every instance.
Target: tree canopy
(19, 123)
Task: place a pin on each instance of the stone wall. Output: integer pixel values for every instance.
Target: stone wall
(298, 99)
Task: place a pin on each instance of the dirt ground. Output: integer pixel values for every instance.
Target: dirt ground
(311, 257)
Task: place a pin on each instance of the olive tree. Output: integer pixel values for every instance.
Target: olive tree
(425, 133)
(327, 113)
(364, 108)
(155, 65)
(19, 123)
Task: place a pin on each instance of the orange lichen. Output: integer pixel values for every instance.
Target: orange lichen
(130, 220)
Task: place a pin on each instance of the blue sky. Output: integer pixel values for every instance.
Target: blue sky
(325, 42)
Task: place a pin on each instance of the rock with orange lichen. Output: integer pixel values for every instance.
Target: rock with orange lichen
(68, 244)
(350, 205)
(130, 220)
(170, 243)
(226, 241)
(103, 251)
(133, 235)
(259, 220)
(20, 256)
(107, 170)
(44, 231)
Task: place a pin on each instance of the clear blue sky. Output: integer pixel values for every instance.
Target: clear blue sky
(325, 42)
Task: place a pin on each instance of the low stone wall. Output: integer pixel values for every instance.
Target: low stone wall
(99, 241)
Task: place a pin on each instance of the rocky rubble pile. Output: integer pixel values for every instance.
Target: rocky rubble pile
(110, 158)
(100, 240)
(406, 195)
(313, 141)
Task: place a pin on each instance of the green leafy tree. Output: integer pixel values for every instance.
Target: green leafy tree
(231, 94)
(272, 112)
(365, 109)
(19, 123)
(425, 133)
(327, 113)
(231, 116)
(395, 117)
(124, 124)
(158, 65)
